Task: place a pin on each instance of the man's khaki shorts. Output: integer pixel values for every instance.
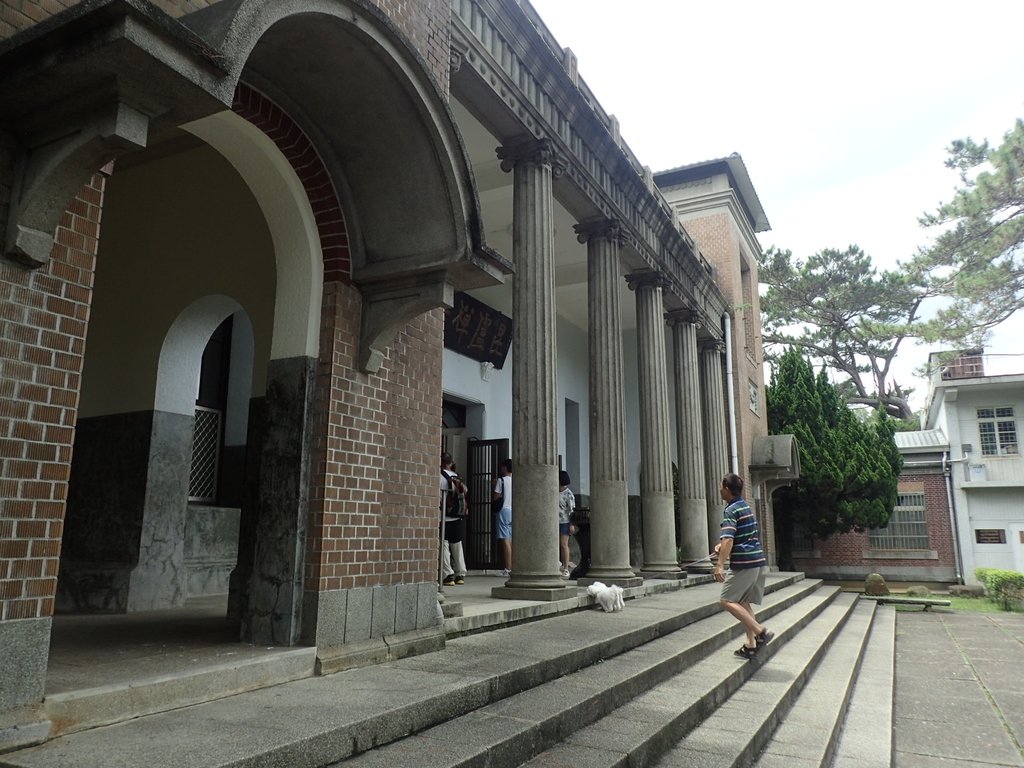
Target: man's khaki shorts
(745, 585)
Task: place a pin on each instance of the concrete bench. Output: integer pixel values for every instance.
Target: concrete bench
(927, 602)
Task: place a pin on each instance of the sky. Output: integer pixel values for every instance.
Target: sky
(842, 112)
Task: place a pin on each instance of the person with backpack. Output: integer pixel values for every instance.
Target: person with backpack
(454, 512)
(566, 507)
(502, 503)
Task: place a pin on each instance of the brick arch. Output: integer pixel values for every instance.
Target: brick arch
(296, 147)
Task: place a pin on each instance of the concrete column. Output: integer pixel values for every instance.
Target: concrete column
(534, 400)
(716, 455)
(609, 512)
(655, 454)
(693, 508)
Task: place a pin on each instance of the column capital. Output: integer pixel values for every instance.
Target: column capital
(597, 229)
(531, 151)
(647, 279)
(684, 316)
(712, 345)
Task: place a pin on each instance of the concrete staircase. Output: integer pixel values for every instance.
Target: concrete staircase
(656, 684)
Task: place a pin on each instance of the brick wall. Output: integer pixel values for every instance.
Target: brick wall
(376, 436)
(718, 240)
(425, 23)
(16, 15)
(43, 319)
(848, 549)
(302, 156)
(374, 509)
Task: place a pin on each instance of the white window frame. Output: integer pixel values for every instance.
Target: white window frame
(997, 430)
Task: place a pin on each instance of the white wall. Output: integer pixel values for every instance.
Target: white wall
(574, 383)
(992, 502)
(462, 380)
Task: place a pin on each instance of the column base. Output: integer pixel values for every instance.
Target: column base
(544, 594)
(651, 572)
(621, 581)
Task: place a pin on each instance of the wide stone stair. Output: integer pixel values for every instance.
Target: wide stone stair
(654, 685)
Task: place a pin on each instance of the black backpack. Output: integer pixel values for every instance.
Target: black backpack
(455, 496)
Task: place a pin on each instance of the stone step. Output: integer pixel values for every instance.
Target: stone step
(314, 722)
(507, 732)
(649, 728)
(807, 735)
(866, 737)
(103, 705)
(734, 734)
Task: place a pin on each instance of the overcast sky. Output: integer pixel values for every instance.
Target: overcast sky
(842, 112)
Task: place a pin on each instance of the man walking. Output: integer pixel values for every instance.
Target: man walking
(741, 546)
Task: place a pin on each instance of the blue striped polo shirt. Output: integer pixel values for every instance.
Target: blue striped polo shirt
(740, 525)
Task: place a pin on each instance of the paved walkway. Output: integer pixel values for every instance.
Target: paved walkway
(959, 690)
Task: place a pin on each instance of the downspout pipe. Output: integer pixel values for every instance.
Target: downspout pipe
(734, 455)
(947, 473)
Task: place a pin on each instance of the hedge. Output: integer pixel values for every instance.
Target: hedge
(1004, 587)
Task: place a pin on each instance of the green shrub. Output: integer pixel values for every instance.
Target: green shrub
(1003, 587)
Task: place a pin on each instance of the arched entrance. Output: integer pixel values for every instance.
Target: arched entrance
(214, 208)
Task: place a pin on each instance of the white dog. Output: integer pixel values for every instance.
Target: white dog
(609, 598)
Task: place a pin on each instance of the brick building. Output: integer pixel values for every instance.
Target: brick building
(918, 544)
(230, 232)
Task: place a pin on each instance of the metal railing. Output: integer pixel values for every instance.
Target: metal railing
(908, 526)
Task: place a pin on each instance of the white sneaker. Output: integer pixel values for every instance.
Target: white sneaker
(565, 572)
(505, 573)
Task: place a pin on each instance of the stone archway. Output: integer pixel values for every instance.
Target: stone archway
(160, 578)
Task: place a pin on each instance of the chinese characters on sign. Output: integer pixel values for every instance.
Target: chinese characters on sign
(475, 330)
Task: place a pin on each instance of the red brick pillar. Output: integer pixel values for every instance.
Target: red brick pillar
(44, 314)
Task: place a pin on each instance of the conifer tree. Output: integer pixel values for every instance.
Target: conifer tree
(978, 257)
(848, 468)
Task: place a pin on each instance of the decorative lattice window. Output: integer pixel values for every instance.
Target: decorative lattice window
(803, 541)
(908, 526)
(202, 484)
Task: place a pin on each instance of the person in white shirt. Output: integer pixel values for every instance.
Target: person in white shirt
(503, 522)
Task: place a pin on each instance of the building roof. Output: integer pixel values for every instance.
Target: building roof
(924, 441)
(734, 167)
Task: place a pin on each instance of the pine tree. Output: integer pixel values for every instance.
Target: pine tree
(978, 259)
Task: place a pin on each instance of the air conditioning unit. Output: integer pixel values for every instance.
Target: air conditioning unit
(977, 473)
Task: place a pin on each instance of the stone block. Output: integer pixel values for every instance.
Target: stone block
(874, 584)
(405, 607)
(26, 645)
(382, 615)
(330, 615)
(428, 611)
(358, 614)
